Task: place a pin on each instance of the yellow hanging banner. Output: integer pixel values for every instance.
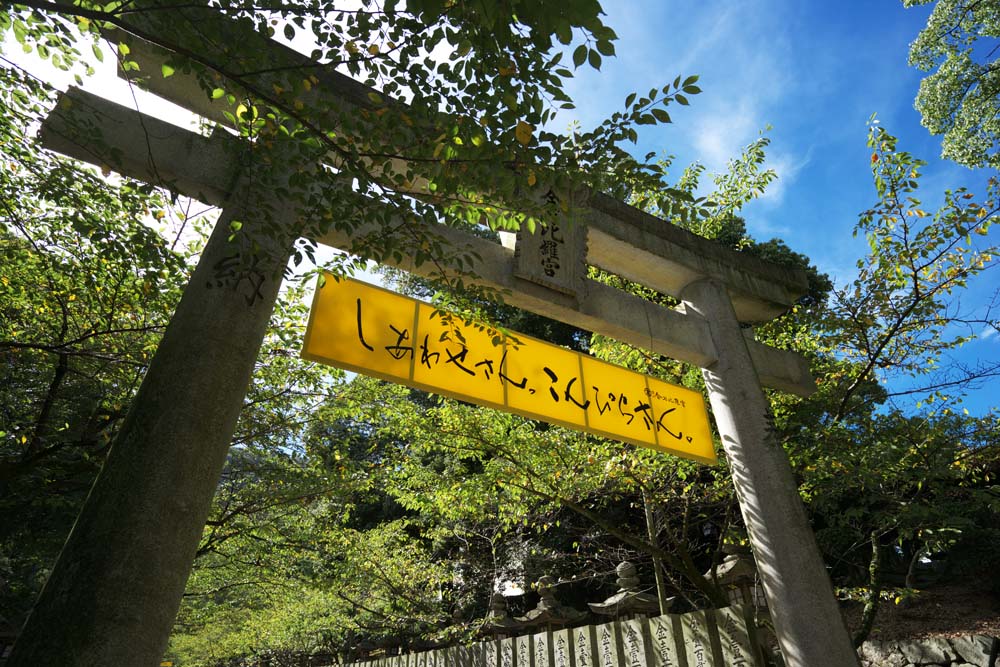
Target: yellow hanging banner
(370, 330)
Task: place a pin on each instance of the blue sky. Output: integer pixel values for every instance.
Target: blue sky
(815, 72)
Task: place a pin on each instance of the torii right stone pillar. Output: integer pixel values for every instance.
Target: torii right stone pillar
(810, 630)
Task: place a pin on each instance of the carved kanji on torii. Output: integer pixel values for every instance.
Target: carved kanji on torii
(122, 573)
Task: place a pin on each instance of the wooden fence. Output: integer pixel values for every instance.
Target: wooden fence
(708, 638)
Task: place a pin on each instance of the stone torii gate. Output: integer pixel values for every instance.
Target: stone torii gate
(115, 590)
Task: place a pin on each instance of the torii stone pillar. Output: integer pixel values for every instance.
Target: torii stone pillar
(115, 590)
(791, 569)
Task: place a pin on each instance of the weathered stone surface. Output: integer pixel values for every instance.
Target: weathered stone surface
(881, 654)
(927, 652)
(973, 649)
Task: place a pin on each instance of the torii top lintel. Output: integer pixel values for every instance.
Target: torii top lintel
(620, 239)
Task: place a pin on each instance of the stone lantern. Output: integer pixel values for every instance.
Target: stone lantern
(628, 601)
(550, 612)
(737, 576)
(499, 623)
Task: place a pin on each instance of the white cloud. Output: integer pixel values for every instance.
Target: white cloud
(787, 166)
(721, 135)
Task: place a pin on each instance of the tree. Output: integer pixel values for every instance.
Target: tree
(900, 315)
(960, 99)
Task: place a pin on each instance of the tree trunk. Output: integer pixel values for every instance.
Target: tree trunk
(661, 587)
(874, 593)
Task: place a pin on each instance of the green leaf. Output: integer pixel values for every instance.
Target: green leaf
(661, 115)
(166, 70)
(580, 55)
(564, 32)
(595, 59)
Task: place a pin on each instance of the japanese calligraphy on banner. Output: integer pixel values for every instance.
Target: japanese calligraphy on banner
(371, 330)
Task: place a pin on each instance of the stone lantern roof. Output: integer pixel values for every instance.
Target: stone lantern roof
(499, 623)
(549, 611)
(628, 601)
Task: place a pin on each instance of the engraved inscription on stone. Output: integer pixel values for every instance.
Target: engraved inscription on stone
(635, 648)
(582, 647)
(507, 649)
(561, 648)
(542, 650)
(664, 642)
(523, 651)
(607, 645)
(490, 653)
(733, 637)
(553, 256)
(696, 641)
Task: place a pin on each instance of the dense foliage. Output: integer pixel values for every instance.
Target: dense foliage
(960, 98)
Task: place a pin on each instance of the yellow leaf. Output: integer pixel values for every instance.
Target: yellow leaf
(307, 84)
(523, 132)
(531, 178)
(373, 49)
